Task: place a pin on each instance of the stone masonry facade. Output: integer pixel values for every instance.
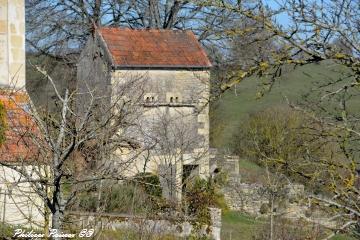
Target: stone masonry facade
(174, 103)
(12, 43)
(180, 97)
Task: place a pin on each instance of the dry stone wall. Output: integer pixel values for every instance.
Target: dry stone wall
(254, 198)
(158, 227)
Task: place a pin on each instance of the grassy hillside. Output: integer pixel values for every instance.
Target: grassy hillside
(231, 109)
(239, 226)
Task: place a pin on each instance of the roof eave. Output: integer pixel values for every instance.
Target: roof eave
(161, 67)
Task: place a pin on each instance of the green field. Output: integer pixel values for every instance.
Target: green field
(239, 226)
(231, 109)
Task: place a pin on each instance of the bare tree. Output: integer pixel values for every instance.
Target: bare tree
(74, 149)
(310, 35)
(176, 149)
(58, 28)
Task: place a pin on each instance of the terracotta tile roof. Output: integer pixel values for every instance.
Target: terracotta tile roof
(154, 48)
(18, 146)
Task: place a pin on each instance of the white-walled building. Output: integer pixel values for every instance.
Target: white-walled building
(19, 204)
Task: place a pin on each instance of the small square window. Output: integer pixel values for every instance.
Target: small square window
(150, 98)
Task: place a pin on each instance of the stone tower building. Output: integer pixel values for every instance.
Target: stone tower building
(12, 43)
(174, 103)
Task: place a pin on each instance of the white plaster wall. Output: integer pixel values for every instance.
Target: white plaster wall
(19, 204)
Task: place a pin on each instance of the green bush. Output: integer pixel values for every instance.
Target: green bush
(138, 195)
(286, 141)
(116, 197)
(275, 133)
(129, 234)
(199, 195)
(150, 183)
(284, 229)
(6, 231)
(3, 124)
(264, 208)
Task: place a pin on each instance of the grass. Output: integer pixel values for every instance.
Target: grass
(231, 109)
(342, 237)
(238, 226)
(250, 171)
(133, 235)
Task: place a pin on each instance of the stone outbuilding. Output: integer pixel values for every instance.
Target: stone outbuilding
(174, 102)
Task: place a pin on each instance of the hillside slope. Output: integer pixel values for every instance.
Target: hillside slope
(231, 109)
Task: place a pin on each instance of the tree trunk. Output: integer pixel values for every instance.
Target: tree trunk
(97, 13)
(57, 201)
(56, 222)
(170, 22)
(56, 219)
(272, 219)
(154, 14)
(46, 221)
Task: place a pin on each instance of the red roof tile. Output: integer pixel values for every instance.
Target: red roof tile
(154, 48)
(18, 146)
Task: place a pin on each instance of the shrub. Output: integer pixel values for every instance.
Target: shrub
(199, 195)
(264, 208)
(308, 212)
(150, 183)
(139, 195)
(275, 133)
(131, 234)
(3, 124)
(288, 142)
(6, 231)
(288, 230)
(116, 197)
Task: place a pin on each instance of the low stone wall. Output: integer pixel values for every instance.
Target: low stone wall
(178, 227)
(251, 198)
(244, 197)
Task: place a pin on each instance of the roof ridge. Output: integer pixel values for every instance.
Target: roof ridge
(144, 29)
(154, 47)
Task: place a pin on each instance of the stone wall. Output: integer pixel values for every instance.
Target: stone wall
(175, 115)
(152, 226)
(179, 94)
(254, 199)
(251, 197)
(12, 43)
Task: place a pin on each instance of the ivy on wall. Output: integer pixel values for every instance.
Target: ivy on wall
(3, 124)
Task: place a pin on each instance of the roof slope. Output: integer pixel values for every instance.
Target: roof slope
(18, 146)
(154, 48)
